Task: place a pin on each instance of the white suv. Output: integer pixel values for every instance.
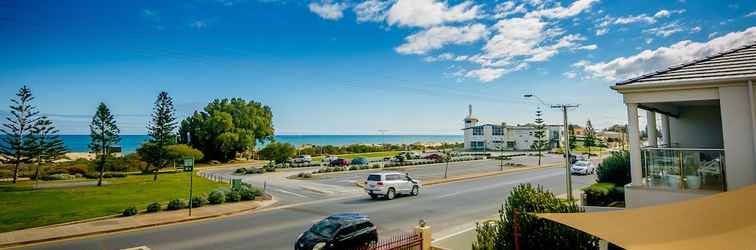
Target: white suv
(388, 185)
(302, 159)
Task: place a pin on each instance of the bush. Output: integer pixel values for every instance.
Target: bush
(352, 168)
(216, 197)
(130, 211)
(240, 171)
(247, 194)
(77, 169)
(535, 233)
(198, 201)
(603, 194)
(375, 166)
(233, 196)
(615, 169)
(176, 204)
(270, 169)
(55, 177)
(153, 207)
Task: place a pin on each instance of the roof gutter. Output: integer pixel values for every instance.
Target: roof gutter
(682, 83)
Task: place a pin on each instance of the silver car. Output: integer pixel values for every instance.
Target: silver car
(388, 185)
(582, 167)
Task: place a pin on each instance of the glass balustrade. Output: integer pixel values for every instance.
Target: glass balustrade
(684, 168)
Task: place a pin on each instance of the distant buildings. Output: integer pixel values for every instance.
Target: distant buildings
(495, 136)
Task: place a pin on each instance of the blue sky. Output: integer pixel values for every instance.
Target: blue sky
(353, 67)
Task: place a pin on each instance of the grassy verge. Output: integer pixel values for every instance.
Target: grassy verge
(22, 207)
(368, 155)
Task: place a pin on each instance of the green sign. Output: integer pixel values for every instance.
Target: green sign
(188, 164)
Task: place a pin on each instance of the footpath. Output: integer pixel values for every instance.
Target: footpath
(117, 224)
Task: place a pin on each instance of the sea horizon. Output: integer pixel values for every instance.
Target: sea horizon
(129, 143)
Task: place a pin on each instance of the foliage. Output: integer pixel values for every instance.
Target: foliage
(573, 138)
(540, 143)
(17, 141)
(176, 204)
(104, 134)
(590, 139)
(153, 207)
(233, 196)
(361, 149)
(535, 233)
(240, 171)
(130, 211)
(278, 152)
(198, 201)
(46, 145)
(216, 197)
(603, 194)
(615, 169)
(178, 152)
(227, 127)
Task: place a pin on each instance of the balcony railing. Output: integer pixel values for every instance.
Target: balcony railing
(684, 168)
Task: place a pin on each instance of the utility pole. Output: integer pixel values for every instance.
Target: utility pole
(566, 136)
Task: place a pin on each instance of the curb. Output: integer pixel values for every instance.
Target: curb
(361, 184)
(263, 204)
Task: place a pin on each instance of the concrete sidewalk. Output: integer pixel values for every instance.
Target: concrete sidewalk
(109, 225)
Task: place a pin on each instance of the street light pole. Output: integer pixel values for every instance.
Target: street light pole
(566, 136)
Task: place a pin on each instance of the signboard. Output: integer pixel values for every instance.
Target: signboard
(188, 164)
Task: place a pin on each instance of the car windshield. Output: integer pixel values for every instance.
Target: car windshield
(374, 177)
(581, 164)
(325, 228)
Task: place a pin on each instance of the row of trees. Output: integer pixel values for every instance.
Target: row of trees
(28, 137)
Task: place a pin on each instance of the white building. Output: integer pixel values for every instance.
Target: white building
(708, 122)
(495, 136)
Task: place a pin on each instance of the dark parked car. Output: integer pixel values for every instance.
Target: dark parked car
(339, 162)
(360, 161)
(339, 231)
(434, 157)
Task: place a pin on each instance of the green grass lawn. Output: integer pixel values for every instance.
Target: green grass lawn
(22, 207)
(368, 155)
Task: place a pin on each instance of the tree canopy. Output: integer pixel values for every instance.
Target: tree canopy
(278, 152)
(104, 134)
(226, 127)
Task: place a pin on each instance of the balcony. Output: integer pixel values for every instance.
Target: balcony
(684, 169)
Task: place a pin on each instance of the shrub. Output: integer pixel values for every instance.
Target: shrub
(55, 177)
(307, 175)
(198, 201)
(77, 169)
(615, 169)
(176, 204)
(353, 168)
(240, 171)
(216, 197)
(535, 233)
(153, 207)
(247, 194)
(130, 211)
(270, 169)
(233, 196)
(603, 194)
(375, 166)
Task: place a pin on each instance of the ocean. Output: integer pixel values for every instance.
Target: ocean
(129, 143)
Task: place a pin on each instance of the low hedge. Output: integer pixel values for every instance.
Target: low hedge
(153, 207)
(130, 211)
(233, 196)
(176, 204)
(216, 197)
(198, 201)
(603, 194)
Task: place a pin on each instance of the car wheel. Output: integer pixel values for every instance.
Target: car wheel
(391, 193)
(415, 191)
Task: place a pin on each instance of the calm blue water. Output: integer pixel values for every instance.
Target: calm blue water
(129, 143)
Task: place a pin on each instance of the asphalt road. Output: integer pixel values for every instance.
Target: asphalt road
(447, 208)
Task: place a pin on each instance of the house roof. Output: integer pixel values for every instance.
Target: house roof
(733, 64)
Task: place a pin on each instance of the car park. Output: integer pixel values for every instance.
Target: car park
(302, 159)
(360, 161)
(339, 162)
(339, 231)
(389, 185)
(582, 167)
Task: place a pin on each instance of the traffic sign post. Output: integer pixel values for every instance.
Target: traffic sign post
(189, 167)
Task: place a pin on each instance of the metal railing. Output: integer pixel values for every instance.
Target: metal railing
(684, 168)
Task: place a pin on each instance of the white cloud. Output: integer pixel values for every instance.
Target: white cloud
(437, 37)
(560, 12)
(486, 74)
(427, 13)
(198, 24)
(515, 37)
(588, 47)
(570, 75)
(328, 10)
(664, 31)
(667, 13)
(695, 29)
(372, 10)
(662, 57)
(753, 13)
(601, 32)
(446, 57)
(643, 18)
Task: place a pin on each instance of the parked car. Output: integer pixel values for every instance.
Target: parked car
(339, 231)
(329, 159)
(360, 161)
(583, 167)
(388, 185)
(434, 156)
(339, 162)
(410, 155)
(302, 159)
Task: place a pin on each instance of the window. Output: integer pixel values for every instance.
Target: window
(511, 144)
(478, 131)
(325, 228)
(393, 177)
(477, 144)
(374, 177)
(498, 130)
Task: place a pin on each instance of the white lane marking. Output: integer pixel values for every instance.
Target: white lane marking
(137, 248)
(290, 193)
(454, 234)
(530, 179)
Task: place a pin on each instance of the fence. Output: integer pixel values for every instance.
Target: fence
(402, 241)
(215, 177)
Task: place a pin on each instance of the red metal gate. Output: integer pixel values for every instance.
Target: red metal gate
(402, 241)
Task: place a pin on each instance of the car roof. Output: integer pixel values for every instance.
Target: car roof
(348, 218)
(385, 173)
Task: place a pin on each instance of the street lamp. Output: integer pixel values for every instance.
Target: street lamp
(566, 137)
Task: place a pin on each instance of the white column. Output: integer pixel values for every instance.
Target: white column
(651, 128)
(666, 140)
(633, 134)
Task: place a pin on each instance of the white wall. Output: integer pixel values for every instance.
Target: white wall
(697, 127)
(641, 197)
(738, 136)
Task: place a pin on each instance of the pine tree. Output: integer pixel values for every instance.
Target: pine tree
(161, 129)
(590, 137)
(47, 145)
(573, 138)
(539, 144)
(104, 134)
(17, 139)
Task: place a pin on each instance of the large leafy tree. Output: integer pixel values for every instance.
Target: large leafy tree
(17, 139)
(278, 152)
(161, 130)
(104, 133)
(46, 144)
(227, 127)
(540, 143)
